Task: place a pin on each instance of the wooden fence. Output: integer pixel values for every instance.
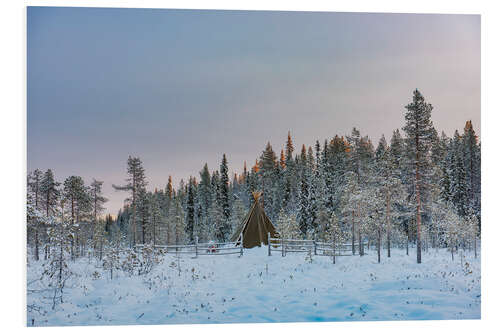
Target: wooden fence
(201, 249)
(316, 248)
(284, 246)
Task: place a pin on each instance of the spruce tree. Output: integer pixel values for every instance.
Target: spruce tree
(143, 211)
(267, 166)
(224, 199)
(472, 166)
(34, 219)
(97, 201)
(459, 188)
(49, 191)
(190, 212)
(289, 176)
(418, 129)
(156, 217)
(205, 202)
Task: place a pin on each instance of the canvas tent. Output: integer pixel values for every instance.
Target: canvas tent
(255, 226)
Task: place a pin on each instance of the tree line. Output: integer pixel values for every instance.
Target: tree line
(420, 187)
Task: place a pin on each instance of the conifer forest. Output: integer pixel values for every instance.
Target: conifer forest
(410, 196)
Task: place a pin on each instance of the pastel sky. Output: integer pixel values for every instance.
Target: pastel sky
(179, 88)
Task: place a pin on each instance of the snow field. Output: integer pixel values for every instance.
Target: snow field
(259, 288)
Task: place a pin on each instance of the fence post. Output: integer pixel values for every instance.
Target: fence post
(282, 247)
(196, 247)
(269, 244)
(333, 250)
(314, 243)
(241, 244)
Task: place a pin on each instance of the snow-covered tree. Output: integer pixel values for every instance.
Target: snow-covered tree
(34, 213)
(287, 226)
(56, 270)
(156, 217)
(136, 182)
(97, 200)
(238, 214)
(190, 211)
(418, 129)
(49, 190)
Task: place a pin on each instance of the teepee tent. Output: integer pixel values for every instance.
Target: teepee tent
(255, 226)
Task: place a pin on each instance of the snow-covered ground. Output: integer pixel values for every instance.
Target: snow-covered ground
(258, 288)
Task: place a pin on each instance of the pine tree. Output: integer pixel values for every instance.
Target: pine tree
(335, 234)
(445, 165)
(289, 176)
(97, 201)
(169, 194)
(178, 221)
(99, 236)
(190, 212)
(458, 183)
(224, 200)
(34, 215)
(56, 269)
(418, 131)
(49, 192)
(305, 214)
(156, 217)
(143, 210)
(205, 198)
(136, 182)
(472, 166)
(381, 150)
(111, 260)
(391, 191)
(351, 201)
(267, 166)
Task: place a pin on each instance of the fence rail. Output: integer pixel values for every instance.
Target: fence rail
(311, 246)
(197, 249)
(284, 246)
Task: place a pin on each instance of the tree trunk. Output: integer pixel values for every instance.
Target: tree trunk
(407, 241)
(154, 231)
(333, 250)
(353, 235)
(388, 222)
(100, 250)
(475, 247)
(48, 203)
(133, 209)
(61, 257)
(379, 239)
(37, 257)
(417, 192)
(168, 233)
(143, 231)
(361, 252)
